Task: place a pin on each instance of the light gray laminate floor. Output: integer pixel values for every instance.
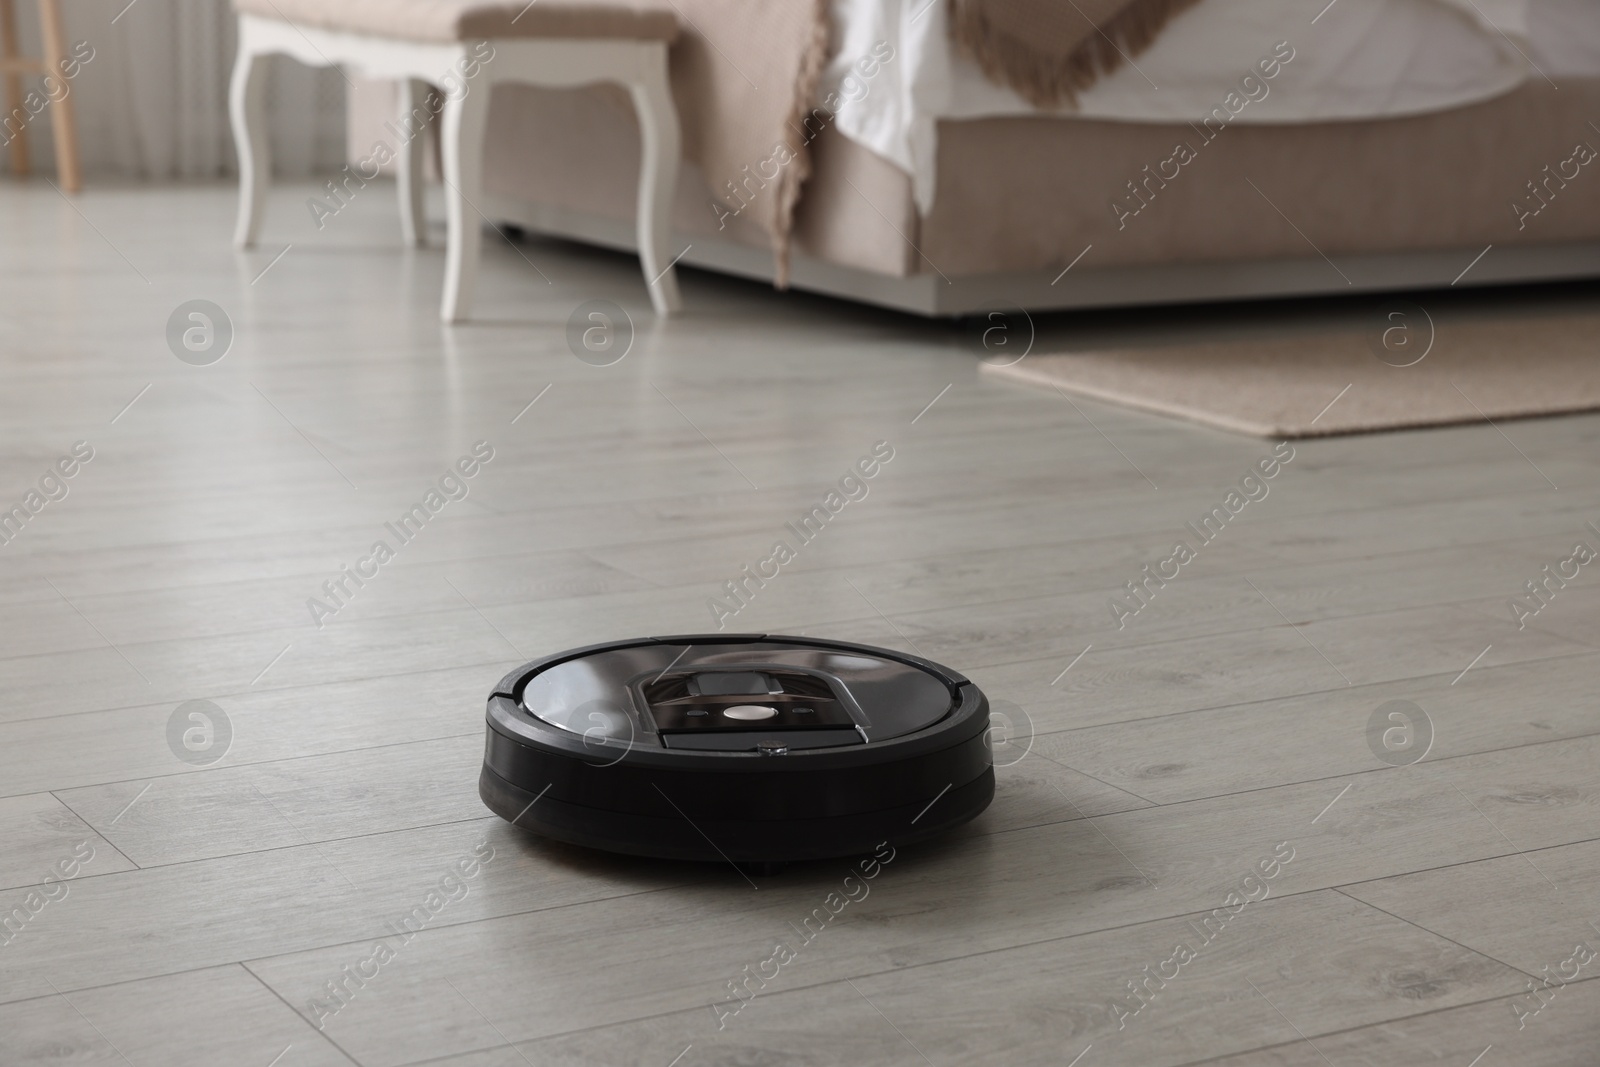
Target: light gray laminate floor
(1154, 768)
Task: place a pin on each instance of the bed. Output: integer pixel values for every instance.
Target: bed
(1399, 144)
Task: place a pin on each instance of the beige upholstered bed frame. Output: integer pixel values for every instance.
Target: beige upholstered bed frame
(1024, 213)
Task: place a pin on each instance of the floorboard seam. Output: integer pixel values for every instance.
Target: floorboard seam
(1581, 648)
(905, 616)
(258, 763)
(809, 986)
(1360, 1027)
(1102, 781)
(247, 691)
(1342, 774)
(323, 1034)
(1166, 715)
(1435, 933)
(308, 844)
(92, 829)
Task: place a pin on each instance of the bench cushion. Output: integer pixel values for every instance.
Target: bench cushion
(470, 20)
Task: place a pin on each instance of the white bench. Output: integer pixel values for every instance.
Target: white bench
(463, 48)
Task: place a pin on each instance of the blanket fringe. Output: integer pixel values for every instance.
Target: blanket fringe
(799, 169)
(1054, 81)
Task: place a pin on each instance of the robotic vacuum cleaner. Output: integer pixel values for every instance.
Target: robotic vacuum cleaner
(746, 748)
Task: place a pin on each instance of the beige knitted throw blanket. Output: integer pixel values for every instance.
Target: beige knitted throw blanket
(745, 74)
(1048, 50)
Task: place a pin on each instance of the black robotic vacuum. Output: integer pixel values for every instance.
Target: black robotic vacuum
(747, 748)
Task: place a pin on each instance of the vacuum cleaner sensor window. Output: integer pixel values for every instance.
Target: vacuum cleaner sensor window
(752, 748)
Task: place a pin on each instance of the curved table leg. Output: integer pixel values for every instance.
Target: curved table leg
(658, 180)
(461, 142)
(408, 169)
(247, 111)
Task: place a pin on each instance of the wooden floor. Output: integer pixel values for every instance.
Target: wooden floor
(1169, 764)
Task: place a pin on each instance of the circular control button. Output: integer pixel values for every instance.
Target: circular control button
(749, 712)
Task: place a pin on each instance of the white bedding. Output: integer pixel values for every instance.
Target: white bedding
(1358, 59)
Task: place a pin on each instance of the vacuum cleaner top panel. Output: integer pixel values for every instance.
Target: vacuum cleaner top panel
(721, 696)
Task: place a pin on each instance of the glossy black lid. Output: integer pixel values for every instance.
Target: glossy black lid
(616, 691)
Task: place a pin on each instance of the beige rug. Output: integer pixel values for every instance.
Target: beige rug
(1336, 383)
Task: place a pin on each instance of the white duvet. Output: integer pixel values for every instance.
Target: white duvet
(895, 74)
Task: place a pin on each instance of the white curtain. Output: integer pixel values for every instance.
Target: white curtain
(153, 102)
